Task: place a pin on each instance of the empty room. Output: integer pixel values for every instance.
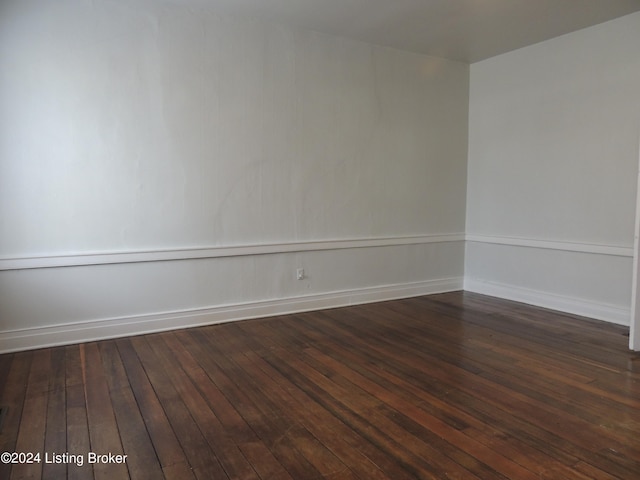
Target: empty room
(319, 239)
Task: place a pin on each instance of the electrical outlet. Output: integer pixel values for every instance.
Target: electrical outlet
(300, 273)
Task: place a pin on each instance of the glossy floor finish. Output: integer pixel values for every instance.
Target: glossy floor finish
(454, 385)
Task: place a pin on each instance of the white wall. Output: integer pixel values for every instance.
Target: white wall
(553, 159)
(164, 166)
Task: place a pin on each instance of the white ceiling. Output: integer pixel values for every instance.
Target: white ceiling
(465, 30)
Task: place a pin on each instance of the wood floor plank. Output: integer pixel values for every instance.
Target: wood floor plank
(56, 423)
(103, 428)
(412, 412)
(511, 402)
(404, 367)
(484, 432)
(363, 414)
(454, 385)
(244, 412)
(485, 371)
(360, 456)
(225, 453)
(234, 424)
(194, 445)
(162, 436)
(76, 412)
(13, 399)
(279, 430)
(545, 387)
(32, 432)
(198, 396)
(5, 368)
(178, 471)
(142, 461)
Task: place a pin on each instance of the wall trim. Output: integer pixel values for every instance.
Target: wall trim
(614, 250)
(102, 258)
(138, 256)
(563, 303)
(91, 330)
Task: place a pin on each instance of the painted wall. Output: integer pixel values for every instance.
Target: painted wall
(164, 166)
(553, 159)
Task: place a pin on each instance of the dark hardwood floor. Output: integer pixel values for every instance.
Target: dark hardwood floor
(447, 386)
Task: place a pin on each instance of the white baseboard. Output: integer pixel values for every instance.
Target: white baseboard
(562, 303)
(91, 330)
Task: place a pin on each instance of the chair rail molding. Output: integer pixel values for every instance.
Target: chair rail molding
(163, 255)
